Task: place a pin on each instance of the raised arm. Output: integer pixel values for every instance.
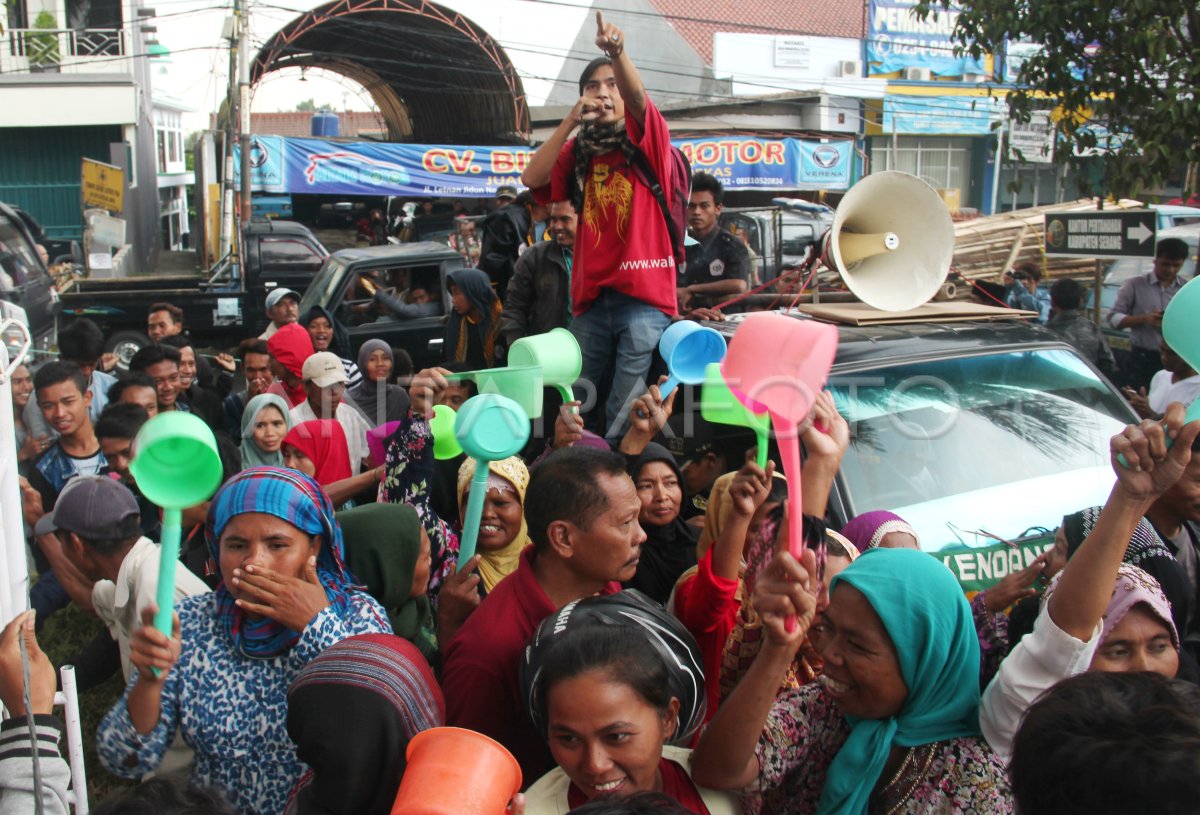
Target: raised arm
(726, 758)
(1087, 580)
(747, 492)
(648, 415)
(611, 40)
(541, 164)
(825, 441)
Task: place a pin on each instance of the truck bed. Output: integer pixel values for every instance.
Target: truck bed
(172, 282)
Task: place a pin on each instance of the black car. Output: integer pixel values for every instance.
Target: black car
(345, 287)
(974, 432)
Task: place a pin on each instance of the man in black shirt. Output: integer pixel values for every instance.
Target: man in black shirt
(718, 265)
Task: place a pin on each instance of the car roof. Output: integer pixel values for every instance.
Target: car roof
(274, 227)
(1177, 210)
(399, 252)
(872, 346)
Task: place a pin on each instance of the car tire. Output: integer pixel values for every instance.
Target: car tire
(125, 344)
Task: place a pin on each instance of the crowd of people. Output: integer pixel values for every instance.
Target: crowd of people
(635, 628)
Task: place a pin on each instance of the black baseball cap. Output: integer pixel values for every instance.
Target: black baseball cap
(96, 507)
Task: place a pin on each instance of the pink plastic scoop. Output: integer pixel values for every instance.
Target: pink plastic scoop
(781, 364)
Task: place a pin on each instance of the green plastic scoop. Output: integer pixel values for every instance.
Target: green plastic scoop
(1181, 330)
(522, 384)
(557, 353)
(176, 465)
(445, 443)
(490, 427)
(719, 405)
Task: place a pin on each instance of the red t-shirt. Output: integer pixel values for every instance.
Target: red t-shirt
(707, 606)
(676, 785)
(481, 670)
(622, 241)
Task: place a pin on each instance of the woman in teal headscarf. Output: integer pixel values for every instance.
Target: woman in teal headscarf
(893, 724)
(265, 422)
(388, 551)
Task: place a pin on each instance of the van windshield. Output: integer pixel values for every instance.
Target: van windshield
(1000, 443)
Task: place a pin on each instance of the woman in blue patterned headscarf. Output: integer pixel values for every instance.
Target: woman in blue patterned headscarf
(285, 596)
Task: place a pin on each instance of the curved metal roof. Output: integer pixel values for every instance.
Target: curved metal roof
(435, 75)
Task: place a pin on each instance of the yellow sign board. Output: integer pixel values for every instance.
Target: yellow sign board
(103, 185)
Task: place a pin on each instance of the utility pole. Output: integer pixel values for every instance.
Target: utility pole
(244, 115)
(232, 32)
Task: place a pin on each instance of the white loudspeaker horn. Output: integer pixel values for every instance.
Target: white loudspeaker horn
(892, 241)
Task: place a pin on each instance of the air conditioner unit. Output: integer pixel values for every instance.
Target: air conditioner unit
(974, 79)
(849, 68)
(917, 74)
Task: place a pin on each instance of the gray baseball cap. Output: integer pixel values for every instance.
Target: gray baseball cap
(96, 507)
(278, 294)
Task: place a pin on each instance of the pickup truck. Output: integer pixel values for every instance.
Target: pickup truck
(346, 284)
(975, 432)
(220, 310)
(778, 236)
(26, 289)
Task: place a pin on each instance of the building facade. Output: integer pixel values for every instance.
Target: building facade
(75, 84)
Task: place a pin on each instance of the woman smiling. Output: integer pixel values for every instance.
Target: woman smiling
(612, 682)
(892, 725)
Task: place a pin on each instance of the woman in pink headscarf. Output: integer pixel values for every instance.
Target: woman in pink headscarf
(1100, 614)
(882, 529)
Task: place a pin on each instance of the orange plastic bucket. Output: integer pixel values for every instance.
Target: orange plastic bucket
(452, 771)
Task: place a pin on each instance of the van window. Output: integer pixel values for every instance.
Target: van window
(294, 253)
(418, 289)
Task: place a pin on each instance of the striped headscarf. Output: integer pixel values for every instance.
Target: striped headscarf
(352, 712)
(293, 497)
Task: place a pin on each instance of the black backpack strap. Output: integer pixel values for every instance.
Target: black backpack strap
(642, 165)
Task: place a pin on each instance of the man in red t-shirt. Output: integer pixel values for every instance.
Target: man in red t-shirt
(623, 272)
(582, 510)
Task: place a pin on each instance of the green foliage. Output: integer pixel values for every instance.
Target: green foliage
(309, 106)
(1128, 69)
(42, 49)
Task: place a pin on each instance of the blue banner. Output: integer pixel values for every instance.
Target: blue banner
(743, 163)
(288, 165)
(898, 39)
(944, 115)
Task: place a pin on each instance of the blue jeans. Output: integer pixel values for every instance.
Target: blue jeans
(618, 335)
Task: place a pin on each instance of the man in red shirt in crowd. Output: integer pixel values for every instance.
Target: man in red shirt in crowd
(623, 272)
(582, 511)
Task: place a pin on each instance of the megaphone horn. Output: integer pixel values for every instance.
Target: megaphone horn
(892, 241)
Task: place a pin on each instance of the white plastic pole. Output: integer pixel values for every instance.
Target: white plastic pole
(74, 738)
(14, 569)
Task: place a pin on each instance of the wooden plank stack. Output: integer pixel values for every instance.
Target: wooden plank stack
(985, 247)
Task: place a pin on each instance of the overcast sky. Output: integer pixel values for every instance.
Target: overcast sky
(198, 68)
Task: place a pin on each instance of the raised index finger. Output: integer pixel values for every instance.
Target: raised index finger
(599, 23)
